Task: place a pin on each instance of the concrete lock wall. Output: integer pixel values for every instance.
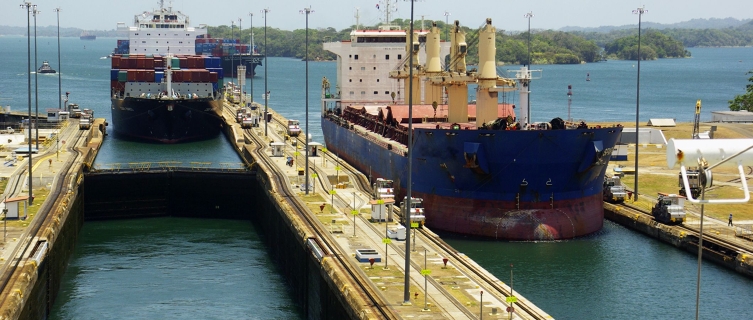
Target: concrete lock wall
(190, 194)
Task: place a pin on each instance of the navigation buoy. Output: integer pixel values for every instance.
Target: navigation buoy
(588, 76)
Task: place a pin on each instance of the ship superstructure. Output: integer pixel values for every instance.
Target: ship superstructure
(164, 30)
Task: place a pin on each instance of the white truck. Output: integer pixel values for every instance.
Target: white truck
(8, 130)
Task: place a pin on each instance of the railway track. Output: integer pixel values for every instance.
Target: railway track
(711, 240)
(373, 296)
(60, 187)
(364, 186)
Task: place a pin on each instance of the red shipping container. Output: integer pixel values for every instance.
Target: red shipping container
(159, 62)
(204, 76)
(177, 76)
(113, 84)
(213, 77)
(195, 75)
(116, 62)
(149, 63)
(187, 75)
(132, 63)
(131, 75)
(200, 62)
(149, 76)
(183, 63)
(140, 63)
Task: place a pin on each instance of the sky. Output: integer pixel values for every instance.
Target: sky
(340, 14)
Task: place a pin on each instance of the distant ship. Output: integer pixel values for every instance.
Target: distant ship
(480, 168)
(45, 68)
(87, 36)
(160, 91)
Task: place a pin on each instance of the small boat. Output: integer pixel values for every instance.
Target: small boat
(45, 68)
(588, 77)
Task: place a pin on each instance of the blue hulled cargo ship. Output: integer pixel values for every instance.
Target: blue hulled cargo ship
(481, 169)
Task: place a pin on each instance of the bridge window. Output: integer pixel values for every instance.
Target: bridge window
(376, 92)
(356, 57)
(386, 57)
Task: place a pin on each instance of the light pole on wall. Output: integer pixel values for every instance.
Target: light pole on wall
(28, 6)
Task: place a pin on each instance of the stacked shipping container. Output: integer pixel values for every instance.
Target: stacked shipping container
(151, 68)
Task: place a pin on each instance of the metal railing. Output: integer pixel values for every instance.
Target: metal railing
(170, 166)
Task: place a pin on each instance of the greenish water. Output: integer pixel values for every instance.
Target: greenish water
(614, 274)
(172, 268)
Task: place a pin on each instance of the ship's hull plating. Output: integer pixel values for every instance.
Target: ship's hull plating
(511, 185)
(231, 62)
(167, 121)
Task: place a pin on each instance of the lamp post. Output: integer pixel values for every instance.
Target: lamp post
(253, 68)
(60, 90)
(406, 213)
(240, 61)
(36, 85)
(308, 11)
(446, 37)
(28, 7)
(232, 36)
(266, 92)
(640, 11)
(528, 16)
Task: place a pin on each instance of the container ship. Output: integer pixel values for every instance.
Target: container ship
(87, 36)
(161, 91)
(480, 168)
(148, 35)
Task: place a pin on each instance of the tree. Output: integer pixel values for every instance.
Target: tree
(744, 101)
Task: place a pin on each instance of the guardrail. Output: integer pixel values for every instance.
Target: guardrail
(170, 166)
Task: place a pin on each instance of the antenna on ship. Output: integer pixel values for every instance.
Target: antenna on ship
(357, 16)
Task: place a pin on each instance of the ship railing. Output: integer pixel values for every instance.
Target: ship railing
(162, 166)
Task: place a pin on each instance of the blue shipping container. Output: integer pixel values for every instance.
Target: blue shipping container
(114, 74)
(158, 76)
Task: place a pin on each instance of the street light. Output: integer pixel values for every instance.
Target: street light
(240, 61)
(529, 15)
(232, 36)
(640, 11)
(36, 85)
(406, 213)
(308, 11)
(251, 54)
(266, 92)
(446, 37)
(28, 7)
(60, 90)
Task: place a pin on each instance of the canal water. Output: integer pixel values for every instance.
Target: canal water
(172, 268)
(614, 274)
